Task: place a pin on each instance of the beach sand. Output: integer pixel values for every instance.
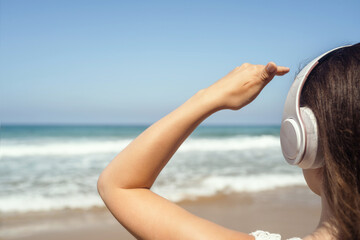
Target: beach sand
(291, 211)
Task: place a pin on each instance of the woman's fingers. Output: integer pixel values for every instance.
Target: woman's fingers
(272, 69)
(282, 70)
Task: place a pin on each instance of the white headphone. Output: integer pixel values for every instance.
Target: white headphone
(299, 132)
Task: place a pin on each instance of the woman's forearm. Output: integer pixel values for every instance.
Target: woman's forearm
(138, 165)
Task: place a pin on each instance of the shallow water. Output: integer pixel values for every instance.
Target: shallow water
(56, 167)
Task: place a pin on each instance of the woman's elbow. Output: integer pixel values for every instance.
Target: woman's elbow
(102, 185)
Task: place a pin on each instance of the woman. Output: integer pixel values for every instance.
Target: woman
(125, 183)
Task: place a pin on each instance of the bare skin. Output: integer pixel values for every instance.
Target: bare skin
(125, 183)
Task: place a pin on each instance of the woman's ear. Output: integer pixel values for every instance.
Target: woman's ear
(313, 178)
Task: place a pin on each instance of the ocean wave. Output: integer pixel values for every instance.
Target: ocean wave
(86, 147)
(214, 185)
(68, 148)
(207, 187)
(231, 143)
(29, 203)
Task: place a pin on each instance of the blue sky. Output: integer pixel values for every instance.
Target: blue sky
(132, 62)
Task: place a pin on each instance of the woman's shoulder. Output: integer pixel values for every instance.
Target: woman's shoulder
(263, 235)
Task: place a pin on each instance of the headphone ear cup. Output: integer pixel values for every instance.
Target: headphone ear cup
(312, 157)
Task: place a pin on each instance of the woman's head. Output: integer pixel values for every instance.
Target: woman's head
(332, 91)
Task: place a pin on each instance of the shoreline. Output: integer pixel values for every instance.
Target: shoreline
(290, 211)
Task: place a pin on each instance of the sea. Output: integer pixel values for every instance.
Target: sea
(45, 168)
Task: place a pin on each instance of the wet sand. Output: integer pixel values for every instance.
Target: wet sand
(290, 211)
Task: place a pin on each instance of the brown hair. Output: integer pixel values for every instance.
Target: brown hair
(332, 91)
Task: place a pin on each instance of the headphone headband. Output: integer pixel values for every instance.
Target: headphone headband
(293, 134)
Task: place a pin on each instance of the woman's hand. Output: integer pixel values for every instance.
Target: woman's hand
(242, 85)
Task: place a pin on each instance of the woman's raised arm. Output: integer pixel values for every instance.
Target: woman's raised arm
(125, 183)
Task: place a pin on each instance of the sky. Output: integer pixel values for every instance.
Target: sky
(132, 62)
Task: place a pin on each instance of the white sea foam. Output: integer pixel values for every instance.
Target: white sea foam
(231, 184)
(207, 187)
(27, 203)
(58, 148)
(230, 144)
(59, 173)
(86, 147)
